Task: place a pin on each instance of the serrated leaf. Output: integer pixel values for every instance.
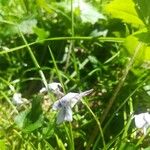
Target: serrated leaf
(124, 10)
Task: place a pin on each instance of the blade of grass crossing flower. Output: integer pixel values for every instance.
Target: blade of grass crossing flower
(57, 70)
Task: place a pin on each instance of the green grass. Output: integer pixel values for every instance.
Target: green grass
(65, 47)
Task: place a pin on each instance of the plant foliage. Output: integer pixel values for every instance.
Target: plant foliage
(100, 45)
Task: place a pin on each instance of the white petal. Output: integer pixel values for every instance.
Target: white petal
(145, 129)
(72, 98)
(68, 114)
(54, 86)
(65, 114)
(139, 120)
(43, 90)
(65, 100)
(86, 93)
(147, 117)
(17, 99)
(57, 105)
(61, 116)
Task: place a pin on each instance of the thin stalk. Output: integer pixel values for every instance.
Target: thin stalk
(71, 47)
(142, 138)
(69, 135)
(112, 99)
(9, 101)
(34, 60)
(56, 67)
(69, 129)
(98, 124)
(101, 39)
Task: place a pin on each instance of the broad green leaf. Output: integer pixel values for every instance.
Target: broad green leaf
(132, 42)
(33, 126)
(20, 118)
(124, 10)
(36, 109)
(148, 148)
(142, 8)
(2, 145)
(41, 33)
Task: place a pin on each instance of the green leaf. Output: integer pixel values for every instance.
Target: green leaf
(20, 118)
(133, 40)
(2, 145)
(36, 109)
(148, 148)
(33, 126)
(60, 143)
(142, 8)
(124, 10)
(41, 33)
(127, 146)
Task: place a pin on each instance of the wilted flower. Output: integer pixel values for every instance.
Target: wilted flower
(65, 104)
(53, 87)
(18, 100)
(142, 121)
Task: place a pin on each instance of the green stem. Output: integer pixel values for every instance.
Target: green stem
(71, 47)
(112, 99)
(57, 70)
(34, 60)
(98, 123)
(9, 101)
(102, 39)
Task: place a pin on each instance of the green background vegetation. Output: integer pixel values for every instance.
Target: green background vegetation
(99, 44)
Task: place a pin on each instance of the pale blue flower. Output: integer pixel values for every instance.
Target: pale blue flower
(66, 103)
(54, 87)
